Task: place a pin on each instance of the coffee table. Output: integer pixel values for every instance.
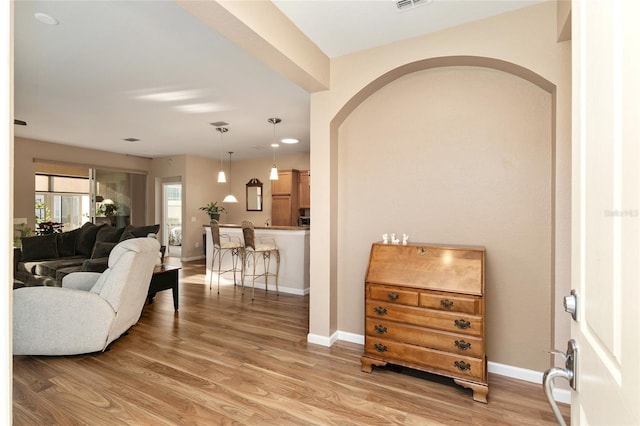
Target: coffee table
(164, 277)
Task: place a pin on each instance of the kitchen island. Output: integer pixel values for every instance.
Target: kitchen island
(293, 243)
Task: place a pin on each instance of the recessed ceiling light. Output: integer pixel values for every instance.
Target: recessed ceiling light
(45, 19)
(274, 145)
(289, 141)
(131, 140)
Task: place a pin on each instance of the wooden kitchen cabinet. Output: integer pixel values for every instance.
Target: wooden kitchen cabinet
(304, 191)
(425, 309)
(284, 198)
(286, 184)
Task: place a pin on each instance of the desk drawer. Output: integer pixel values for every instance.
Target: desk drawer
(428, 359)
(448, 342)
(451, 302)
(401, 296)
(448, 321)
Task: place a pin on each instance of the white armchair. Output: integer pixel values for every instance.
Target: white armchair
(91, 309)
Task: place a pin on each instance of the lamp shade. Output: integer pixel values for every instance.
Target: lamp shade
(221, 177)
(273, 175)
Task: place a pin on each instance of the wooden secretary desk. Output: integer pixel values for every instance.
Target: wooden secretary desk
(425, 309)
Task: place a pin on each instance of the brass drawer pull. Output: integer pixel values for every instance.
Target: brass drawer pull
(380, 347)
(462, 345)
(446, 303)
(462, 324)
(393, 296)
(380, 329)
(462, 366)
(380, 310)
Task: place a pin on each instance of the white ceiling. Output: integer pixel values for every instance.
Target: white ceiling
(112, 70)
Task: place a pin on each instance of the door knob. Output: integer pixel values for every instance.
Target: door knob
(568, 373)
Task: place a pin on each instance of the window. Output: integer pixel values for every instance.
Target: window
(62, 199)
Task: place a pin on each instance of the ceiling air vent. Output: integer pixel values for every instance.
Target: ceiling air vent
(403, 5)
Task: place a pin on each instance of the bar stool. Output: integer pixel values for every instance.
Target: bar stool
(232, 245)
(265, 248)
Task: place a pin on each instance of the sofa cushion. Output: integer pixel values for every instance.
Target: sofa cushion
(39, 247)
(87, 238)
(140, 231)
(109, 234)
(102, 249)
(95, 265)
(67, 243)
(48, 268)
(126, 235)
(60, 273)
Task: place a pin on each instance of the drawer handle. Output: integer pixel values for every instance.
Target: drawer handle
(380, 329)
(462, 366)
(446, 303)
(422, 250)
(462, 324)
(380, 347)
(380, 310)
(393, 296)
(462, 345)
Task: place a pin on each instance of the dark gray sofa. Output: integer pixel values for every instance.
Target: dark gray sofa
(46, 259)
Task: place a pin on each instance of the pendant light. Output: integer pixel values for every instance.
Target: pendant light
(273, 175)
(230, 198)
(221, 176)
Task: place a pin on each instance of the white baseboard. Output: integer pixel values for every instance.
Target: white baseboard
(189, 259)
(351, 337)
(560, 395)
(322, 340)
(260, 287)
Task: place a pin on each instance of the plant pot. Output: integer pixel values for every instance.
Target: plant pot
(214, 216)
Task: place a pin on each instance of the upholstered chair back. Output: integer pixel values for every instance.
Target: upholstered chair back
(125, 283)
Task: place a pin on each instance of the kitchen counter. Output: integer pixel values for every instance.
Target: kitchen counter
(293, 244)
(278, 228)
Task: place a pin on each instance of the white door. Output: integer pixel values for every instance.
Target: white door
(606, 211)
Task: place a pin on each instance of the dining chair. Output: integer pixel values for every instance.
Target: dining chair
(232, 245)
(254, 249)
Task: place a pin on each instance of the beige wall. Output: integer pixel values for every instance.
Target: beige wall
(455, 155)
(502, 43)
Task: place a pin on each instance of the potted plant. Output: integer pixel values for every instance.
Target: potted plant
(213, 210)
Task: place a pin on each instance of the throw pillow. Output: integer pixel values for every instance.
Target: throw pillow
(102, 249)
(109, 234)
(39, 247)
(86, 239)
(127, 235)
(143, 231)
(67, 243)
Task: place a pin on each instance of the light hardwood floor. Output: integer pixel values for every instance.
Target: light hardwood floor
(225, 360)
